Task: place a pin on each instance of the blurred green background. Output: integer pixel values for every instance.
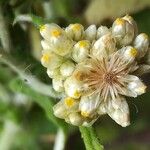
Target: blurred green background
(26, 97)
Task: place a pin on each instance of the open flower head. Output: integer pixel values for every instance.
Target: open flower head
(95, 69)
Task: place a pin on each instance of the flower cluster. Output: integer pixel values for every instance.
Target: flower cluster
(95, 69)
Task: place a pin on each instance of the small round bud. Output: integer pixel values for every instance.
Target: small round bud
(67, 68)
(102, 30)
(104, 46)
(75, 31)
(129, 53)
(51, 32)
(53, 73)
(90, 33)
(123, 31)
(58, 84)
(75, 119)
(132, 22)
(57, 38)
(45, 45)
(72, 87)
(141, 43)
(60, 110)
(81, 50)
(51, 60)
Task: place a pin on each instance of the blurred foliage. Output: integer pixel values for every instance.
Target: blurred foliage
(26, 113)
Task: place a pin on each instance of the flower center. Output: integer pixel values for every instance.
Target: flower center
(109, 78)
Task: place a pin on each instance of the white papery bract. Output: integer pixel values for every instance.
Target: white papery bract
(95, 69)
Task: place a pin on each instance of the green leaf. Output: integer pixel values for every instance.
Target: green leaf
(43, 101)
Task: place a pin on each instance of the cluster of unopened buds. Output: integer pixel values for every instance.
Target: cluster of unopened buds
(95, 69)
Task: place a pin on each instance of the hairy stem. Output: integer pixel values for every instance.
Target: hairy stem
(90, 138)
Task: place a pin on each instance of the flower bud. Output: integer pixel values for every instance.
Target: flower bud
(67, 68)
(45, 45)
(129, 53)
(75, 119)
(57, 38)
(141, 43)
(53, 73)
(51, 60)
(75, 31)
(90, 33)
(123, 31)
(60, 110)
(72, 87)
(104, 46)
(132, 22)
(102, 30)
(81, 50)
(58, 84)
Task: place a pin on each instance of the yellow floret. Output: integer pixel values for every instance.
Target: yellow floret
(76, 27)
(83, 44)
(84, 114)
(133, 52)
(45, 57)
(56, 33)
(77, 94)
(119, 21)
(69, 101)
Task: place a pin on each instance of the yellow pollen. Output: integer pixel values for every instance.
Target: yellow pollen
(76, 27)
(56, 33)
(69, 101)
(83, 44)
(133, 52)
(46, 57)
(77, 94)
(42, 28)
(84, 114)
(119, 21)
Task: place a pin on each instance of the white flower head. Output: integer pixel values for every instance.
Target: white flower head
(95, 69)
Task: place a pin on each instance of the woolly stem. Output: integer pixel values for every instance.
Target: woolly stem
(90, 138)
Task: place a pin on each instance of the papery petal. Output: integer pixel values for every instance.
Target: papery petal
(89, 104)
(104, 46)
(119, 111)
(133, 86)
